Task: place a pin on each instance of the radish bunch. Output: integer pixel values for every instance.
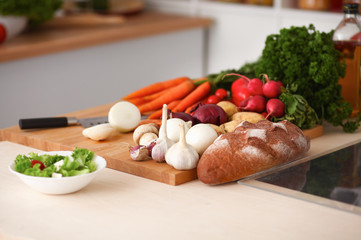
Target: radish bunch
(255, 96)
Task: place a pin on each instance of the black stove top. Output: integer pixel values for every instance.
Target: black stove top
(335, 176)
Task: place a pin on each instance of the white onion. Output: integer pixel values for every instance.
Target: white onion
(124, 116)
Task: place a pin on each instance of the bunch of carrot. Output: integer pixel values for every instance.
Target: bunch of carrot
(180, 94)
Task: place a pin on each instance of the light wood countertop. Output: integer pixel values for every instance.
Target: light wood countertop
(63, 35)
(119, 205)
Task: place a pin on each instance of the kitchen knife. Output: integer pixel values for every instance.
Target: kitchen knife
(52, 122)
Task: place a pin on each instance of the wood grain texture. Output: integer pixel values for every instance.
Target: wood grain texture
(114, 150)
(67, 34)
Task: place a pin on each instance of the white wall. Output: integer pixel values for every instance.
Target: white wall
(239, 31)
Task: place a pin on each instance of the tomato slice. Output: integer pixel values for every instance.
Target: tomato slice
(33, 162)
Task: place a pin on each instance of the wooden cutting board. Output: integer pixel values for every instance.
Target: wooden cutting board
(114, 150)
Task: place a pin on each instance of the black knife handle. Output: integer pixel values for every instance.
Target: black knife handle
(29, 123)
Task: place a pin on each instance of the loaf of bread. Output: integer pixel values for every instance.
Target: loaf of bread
(251, 148)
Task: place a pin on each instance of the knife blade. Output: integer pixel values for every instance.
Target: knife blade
(51, 122)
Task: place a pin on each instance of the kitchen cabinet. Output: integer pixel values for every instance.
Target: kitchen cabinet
(60, 68)
(239, 31)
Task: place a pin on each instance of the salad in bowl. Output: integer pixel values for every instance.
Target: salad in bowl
(58, 172)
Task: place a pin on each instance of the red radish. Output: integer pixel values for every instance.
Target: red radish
(240, 95)
(280, 83)
(255, 86)
(271, 89)
(265, 115)
(275, 108)
(254, 104)
(239, 84)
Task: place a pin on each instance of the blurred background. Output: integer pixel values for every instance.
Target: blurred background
(41, 85)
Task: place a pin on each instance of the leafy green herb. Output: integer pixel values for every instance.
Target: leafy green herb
(306, 61)
(297, 111)
(37, 11)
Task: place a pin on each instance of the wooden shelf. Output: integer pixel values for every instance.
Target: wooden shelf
(61, 35)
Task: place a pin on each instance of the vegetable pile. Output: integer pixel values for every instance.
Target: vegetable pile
(80, 162)
(307, 63)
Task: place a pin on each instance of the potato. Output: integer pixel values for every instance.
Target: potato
(252, 117)
(228, 107)
(230, 126)
(218, 129)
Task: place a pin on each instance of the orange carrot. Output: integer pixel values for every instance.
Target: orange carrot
(158, 114)
(174, 93)
(155, 95)
(155, 87)
(141, 100)
(138, 101)
(200, 92)
(203, 100)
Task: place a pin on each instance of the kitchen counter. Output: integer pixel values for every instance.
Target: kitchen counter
(119, 205)
(62, 34)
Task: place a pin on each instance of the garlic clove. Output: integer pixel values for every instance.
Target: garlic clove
(99, 132)
(139, 153)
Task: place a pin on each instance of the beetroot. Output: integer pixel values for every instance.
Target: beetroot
(210, 113)
(271, 89)
(254, 104)
(275, 108)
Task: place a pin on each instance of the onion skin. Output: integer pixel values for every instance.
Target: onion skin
(184, 116)
(210, 113)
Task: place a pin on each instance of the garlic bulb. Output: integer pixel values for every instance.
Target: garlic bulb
(162, 143)
(181, 155)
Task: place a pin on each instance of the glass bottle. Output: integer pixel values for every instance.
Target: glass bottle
(347, 39)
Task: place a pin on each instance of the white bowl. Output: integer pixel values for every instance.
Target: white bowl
(62, 185)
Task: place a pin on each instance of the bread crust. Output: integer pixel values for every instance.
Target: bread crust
(251, 148)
